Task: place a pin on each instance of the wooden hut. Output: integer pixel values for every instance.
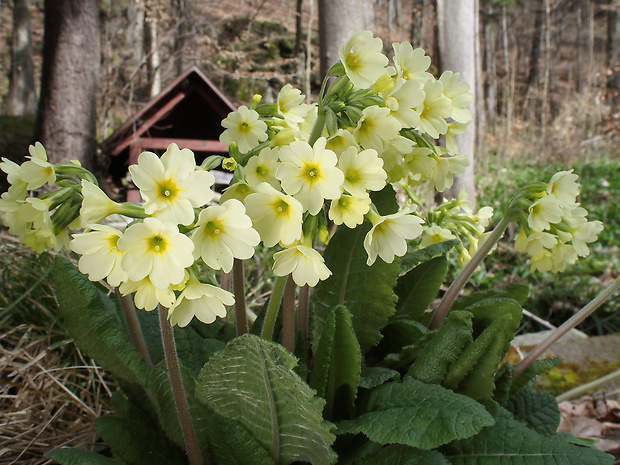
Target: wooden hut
(188, 112)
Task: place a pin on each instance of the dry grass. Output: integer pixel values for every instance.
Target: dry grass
(44, 405)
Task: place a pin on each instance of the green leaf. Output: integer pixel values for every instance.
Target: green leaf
(486, 311)
(95, 323)
(510, 442)
(415, 256)
(252, 382)
(417, 414)
(385, 200)
(337, 365)
(445, 346)
(538, 410)
(517, 292)
(376, 376)
(366, 291)
(231, 444)
(400, 333)
(398, 454)
(473, 373)
(137, 444)
(417, 288)
(530, 373)
(80, 457)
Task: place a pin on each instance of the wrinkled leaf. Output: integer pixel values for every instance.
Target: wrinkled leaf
(536, 409)
(80, 457)
(337, 365)
(231, 444)
(420, 415)
(252, 382)
(417, 289)
(415, 256)
(376, 376)
(366, 291)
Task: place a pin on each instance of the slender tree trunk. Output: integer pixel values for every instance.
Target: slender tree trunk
(547, 69)
(338, 21)
(152, 49)
(579, 64)
(66, 123)
(491, 72)
(480, 121)
(298, 30)
(22, 95)
(613, 55)
(457, 45)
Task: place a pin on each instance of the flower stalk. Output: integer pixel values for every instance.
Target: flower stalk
(133, 327)
(241, 322)
(468, 270)
(273, 307)
(569, 324)
(178, 391)
(288, 314)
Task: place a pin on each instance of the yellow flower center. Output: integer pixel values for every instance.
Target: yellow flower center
(212, 228)
(158, 244)
(244, 127)
(281, 207)
(168, 190)
(343, 202)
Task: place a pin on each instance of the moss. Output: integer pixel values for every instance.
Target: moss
(567, 376)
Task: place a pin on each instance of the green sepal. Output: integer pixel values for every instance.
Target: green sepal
(337, 365)
(444, 347)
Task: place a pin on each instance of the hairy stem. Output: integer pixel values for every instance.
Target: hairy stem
(302, 313)
(569, 324)
(178, 391)
(241, 321)
(468, 269)
(133, 327)
(273, 308)
(288, 314)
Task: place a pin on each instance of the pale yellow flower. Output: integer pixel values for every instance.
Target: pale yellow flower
(454, 129)
(100, 255)
(37, 171)
(458, 93)
(362, 171)
(349, 210)
(171, 185)
(290, 105)
(14, 177)
(376, 128)
(442, 176)
(203, 301)
(96, 205)
(223, 233)
(563, 255)
(584, 233)
(389, 234)
(306, 265)
(419, 164)
(158, 250)
(341, 141)
(363, 59)
(244, 128)
(147, 295)
(435, 234)
(565, 187)
(262, 168)
(403, 100)
(239, 190)
(434, 111)
(544, 212)
(393, 160)
(276, 216)
(309, 173)
(411, 63)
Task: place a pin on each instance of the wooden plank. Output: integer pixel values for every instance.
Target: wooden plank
(196, 145)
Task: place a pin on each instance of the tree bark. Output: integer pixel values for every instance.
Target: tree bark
(21, 99)
(66, 122)
(338, 21)
(152, 50)
(457, 48)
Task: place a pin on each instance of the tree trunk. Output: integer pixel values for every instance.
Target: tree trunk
(338, 21)
(298, 30)
(457, 48)
(152, 50)
(613, 55)
(66, 121)
(22, 96)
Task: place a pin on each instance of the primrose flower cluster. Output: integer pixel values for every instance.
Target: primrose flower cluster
(554, 229)
(299, 169)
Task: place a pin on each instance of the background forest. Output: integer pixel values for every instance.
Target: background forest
(547, 84)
